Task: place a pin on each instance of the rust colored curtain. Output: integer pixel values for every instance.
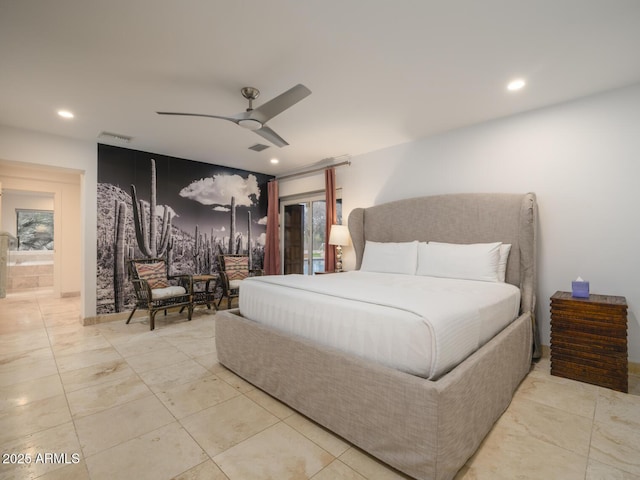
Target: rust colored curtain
(332, 219)
(272, 242)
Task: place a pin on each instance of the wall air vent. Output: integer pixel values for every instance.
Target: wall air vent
(258, 147)
(114, 137)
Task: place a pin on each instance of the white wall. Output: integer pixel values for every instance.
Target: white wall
(582, 159)
(26, 149)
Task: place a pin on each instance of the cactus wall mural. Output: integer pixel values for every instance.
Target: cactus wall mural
(186, 212)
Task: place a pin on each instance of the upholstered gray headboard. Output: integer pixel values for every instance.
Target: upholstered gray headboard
(459, 218)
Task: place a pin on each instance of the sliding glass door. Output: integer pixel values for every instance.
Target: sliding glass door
(304, 235)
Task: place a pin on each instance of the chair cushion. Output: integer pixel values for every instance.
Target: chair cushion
(234, 284)
(167, 292)
(154, 273)
(237, 268)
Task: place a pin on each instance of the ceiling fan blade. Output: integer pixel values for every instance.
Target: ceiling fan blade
(268, 134)
(279, 104)
(231, 119)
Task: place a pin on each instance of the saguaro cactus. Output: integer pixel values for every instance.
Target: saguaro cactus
(249, 249)
(239, 243)
(170, 256)
(202, 253)
(199, 252)
(208, 256)
(232, 228)
(196, 252)
(118, 255)
(147, 235)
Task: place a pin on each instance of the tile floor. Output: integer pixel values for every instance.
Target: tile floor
(126, 403)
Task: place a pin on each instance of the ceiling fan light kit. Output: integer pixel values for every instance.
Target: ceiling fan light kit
(256, 119)
(250, 124)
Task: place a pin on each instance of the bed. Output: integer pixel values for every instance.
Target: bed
(424, 427)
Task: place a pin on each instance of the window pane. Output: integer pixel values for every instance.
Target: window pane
(318, 228)
(307, 238)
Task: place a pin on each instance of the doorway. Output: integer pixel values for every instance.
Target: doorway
(304, 234)
(28, 217)
(45, 188)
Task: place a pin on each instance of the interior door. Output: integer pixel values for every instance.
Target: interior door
(294, 239)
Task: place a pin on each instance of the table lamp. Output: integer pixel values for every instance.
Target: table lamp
(339, 237)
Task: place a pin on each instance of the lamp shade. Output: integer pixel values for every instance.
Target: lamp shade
(339, 235)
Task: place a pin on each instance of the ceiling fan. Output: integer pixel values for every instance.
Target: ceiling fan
(255, 119)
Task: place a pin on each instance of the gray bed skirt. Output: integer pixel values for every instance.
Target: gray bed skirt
(426, 429)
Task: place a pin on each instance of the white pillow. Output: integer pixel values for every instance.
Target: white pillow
(505, 248)
(390, 257)
(476, 261)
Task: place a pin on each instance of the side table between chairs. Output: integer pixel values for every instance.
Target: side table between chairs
(205, 295)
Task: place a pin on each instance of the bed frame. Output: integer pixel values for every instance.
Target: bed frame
(426, 429)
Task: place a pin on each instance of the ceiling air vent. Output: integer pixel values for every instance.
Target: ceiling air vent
(114, 137)
(258, 147)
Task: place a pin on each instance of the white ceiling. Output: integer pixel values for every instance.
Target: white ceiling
(381, 72)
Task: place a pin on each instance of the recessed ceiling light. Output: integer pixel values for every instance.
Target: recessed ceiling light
(516, 85)
(275, 160)
(65, 114)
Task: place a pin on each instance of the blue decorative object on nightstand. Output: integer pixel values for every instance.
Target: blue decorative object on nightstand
(580, 288)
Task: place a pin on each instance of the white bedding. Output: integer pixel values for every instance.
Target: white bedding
(417, 324)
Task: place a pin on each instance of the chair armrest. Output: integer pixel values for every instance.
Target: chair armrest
(144, 286)
(224, 281)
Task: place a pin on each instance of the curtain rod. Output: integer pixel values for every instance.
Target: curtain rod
(307, 172)
(305, 195)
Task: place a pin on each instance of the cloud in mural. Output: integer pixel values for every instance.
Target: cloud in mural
(219, 189)
(262, 239)
(221, 209)
(262, 221)
(160, 209)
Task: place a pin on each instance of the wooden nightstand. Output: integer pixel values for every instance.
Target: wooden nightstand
(589, 339)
